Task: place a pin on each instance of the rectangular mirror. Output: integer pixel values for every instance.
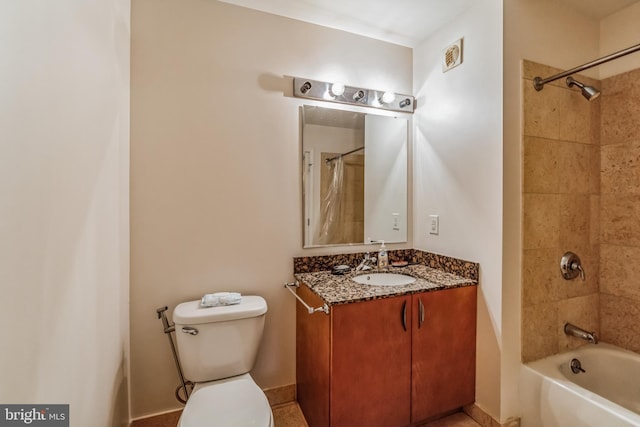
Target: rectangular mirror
(354, 177)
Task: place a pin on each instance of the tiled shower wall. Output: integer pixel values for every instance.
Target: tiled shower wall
(620, 212)
(581, 193)
(561, 197)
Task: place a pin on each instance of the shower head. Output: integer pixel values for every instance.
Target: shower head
(589, 92)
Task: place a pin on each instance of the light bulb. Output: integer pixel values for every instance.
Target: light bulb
(388, 97)
(337, 89)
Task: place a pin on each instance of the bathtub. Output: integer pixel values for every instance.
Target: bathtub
(607, 394)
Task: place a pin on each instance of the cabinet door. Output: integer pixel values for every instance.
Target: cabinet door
(371, 363)
(443, 351)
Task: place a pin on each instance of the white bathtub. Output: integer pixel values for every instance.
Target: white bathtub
(606, 395)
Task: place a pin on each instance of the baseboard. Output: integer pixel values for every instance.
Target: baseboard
(486, 420)
(161, 419)
(280, 395)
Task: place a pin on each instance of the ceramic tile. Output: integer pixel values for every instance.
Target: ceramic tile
(620, 271)
(619, 321)
(621, 168)
(541, 279)
(542, 112)
(575, 116)
(288, 415)
(594, 226)
(621, 226)
(165, 420)
(539, 331)
(541, 166)
(620, 112)
(459, 419)
(579, 166)
(485, 420)
(280, 395)
(575, 223)
(541, 221)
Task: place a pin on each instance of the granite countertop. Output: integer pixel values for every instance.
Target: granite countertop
(340, 289)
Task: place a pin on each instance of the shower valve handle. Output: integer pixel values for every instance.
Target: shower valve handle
(571, 266)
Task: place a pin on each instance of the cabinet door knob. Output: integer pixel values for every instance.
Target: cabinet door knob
(420, 313)
(404, 315)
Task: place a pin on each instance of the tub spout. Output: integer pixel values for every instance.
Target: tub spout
(577, 332)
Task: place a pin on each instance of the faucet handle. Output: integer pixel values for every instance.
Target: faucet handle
(571, 266)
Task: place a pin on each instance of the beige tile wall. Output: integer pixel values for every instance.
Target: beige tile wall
(561, 198)
(620, 226)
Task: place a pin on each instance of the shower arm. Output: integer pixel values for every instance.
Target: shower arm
(538, 82)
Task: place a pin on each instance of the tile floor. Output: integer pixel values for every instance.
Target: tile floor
(290, 415)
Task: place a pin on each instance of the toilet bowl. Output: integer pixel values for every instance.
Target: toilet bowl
(217, 348)
(236, 401)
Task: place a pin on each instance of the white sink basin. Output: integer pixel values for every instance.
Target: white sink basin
(384, 279)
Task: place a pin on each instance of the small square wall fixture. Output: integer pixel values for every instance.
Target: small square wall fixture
(452, 55)
(340, 93)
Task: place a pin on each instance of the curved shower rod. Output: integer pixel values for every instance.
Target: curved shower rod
(538, 82)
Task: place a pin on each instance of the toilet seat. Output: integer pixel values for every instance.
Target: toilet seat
(231, 402)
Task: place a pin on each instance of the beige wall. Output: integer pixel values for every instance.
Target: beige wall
(458, 176)
(215, 173)
(620, 31)
(620, 226)
(561, 200)
(64, 245)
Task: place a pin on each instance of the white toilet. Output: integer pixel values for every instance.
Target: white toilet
(218, 348)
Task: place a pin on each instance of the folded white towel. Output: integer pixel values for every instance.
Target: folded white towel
(221, 298)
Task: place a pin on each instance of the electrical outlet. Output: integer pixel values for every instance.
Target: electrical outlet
(434, 224)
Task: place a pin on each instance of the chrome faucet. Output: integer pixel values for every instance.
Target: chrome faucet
(367, 259)
(577, 332)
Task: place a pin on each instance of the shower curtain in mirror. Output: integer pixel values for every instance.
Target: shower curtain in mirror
(332, 203)
(341, 200)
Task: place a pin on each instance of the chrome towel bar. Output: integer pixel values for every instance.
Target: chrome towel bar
(311, 310)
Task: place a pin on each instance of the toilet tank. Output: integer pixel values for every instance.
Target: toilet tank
(219, 342)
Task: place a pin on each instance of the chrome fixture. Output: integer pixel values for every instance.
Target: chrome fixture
(359, 96)
(186, 386)
(538, 82)
(310, 310)
(405, 103)
(574, 331)
(338, 92)
(571, 266)
(589, 92)
(306, 87)
(576, 366)
(367, 259)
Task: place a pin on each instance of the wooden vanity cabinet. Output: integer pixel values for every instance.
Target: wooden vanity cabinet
(388, 362)
(443, 351)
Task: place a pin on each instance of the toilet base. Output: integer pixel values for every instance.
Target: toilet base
(230, 401)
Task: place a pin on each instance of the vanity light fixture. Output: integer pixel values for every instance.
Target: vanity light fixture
(358, 96)
(338, 92)
(388, 98)
(306, 87)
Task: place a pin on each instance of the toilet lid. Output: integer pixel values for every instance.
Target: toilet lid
(236, 402)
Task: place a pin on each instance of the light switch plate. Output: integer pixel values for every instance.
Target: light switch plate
(434, 224)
